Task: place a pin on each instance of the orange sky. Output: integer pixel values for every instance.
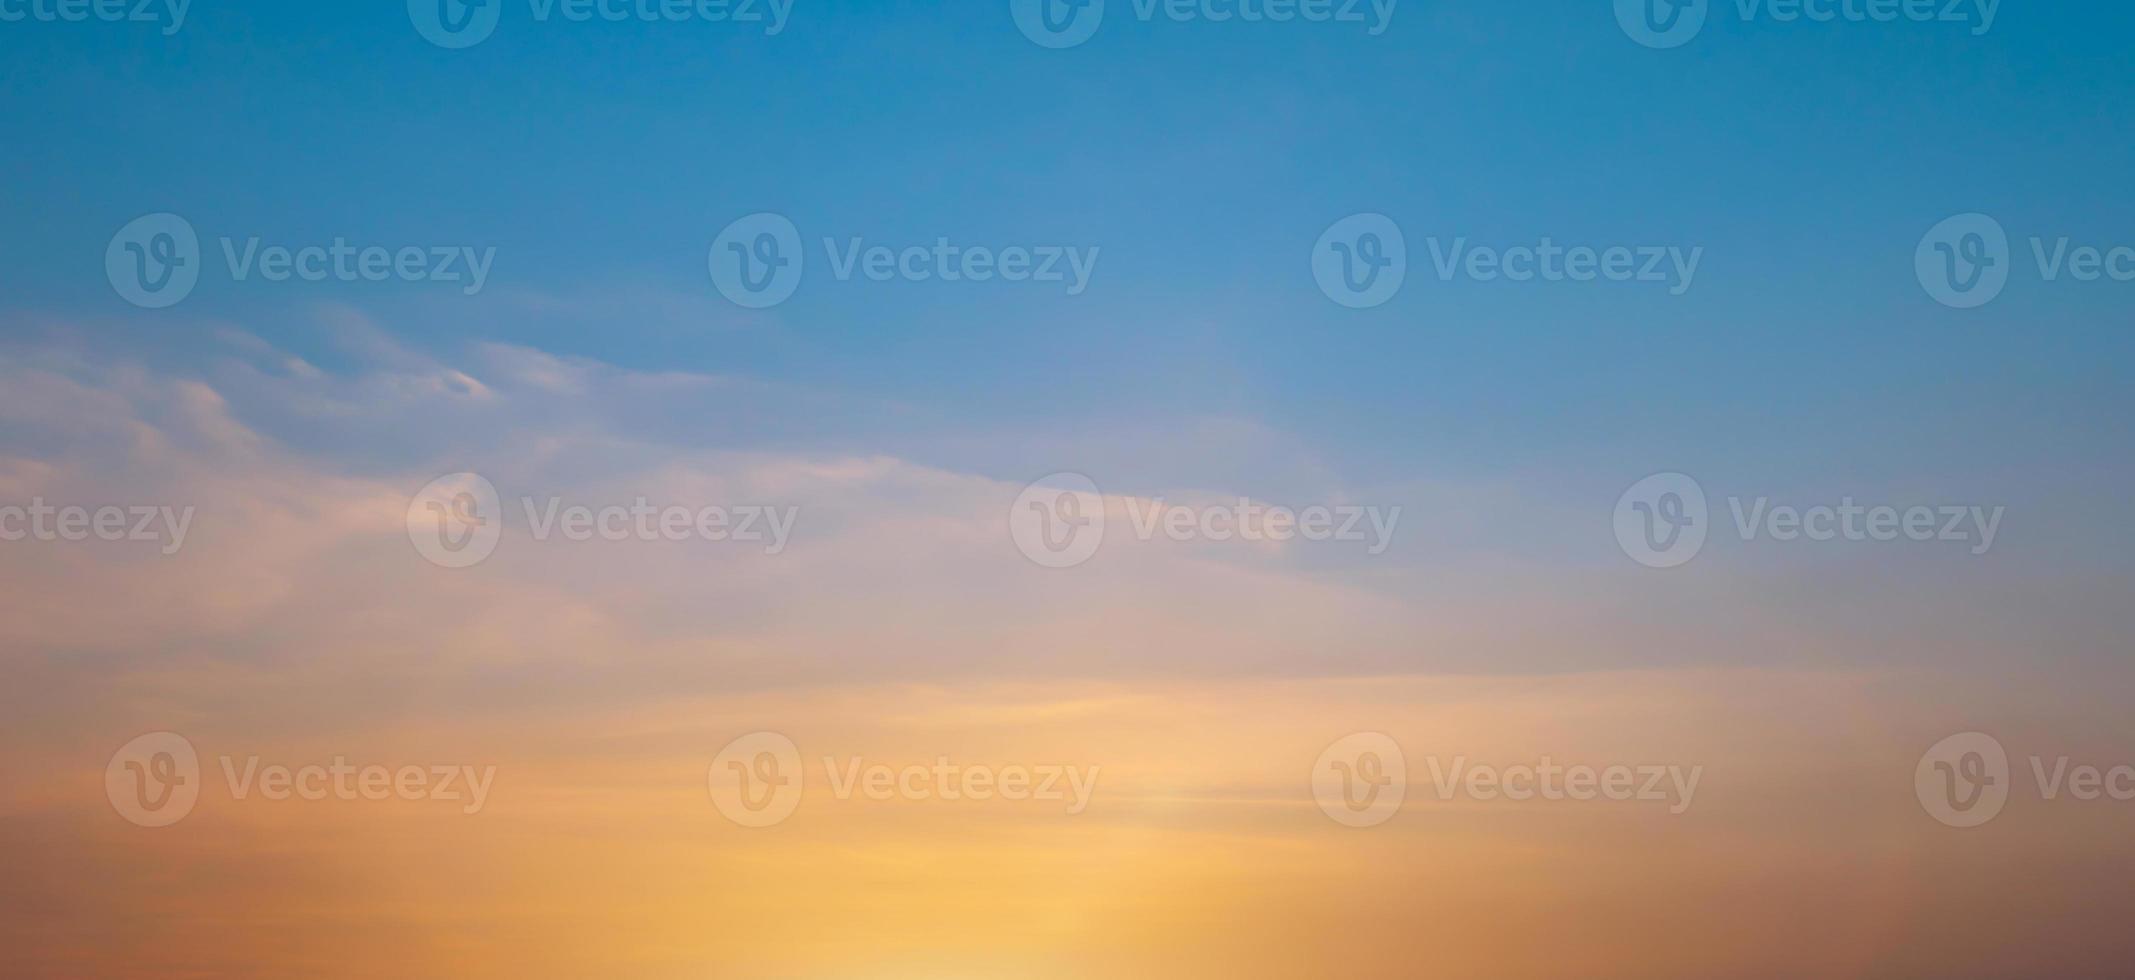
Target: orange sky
(1198, 687)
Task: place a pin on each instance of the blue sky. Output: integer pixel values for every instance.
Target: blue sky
(945, 596)
(1202, 159)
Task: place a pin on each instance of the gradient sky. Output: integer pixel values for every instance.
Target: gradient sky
(1203, 363)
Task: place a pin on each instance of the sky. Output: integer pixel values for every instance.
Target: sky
(822, 524)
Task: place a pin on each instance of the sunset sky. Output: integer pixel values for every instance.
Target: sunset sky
(296, 457)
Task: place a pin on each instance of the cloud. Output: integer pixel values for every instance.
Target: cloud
(900, 623)
(297, 557)
(300, 478)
